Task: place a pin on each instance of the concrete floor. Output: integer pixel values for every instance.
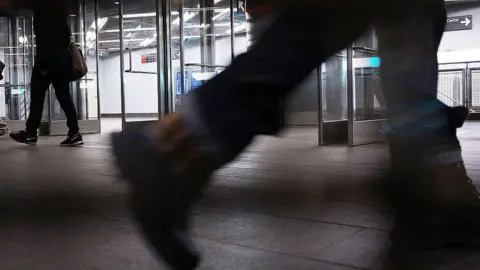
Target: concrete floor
(284, 204)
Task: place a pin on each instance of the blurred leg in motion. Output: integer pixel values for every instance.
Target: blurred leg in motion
(170, 163)
(442, 204)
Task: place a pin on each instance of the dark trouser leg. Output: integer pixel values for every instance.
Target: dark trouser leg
(421, 133)
(40, 84)
(169, 164)
(62, 91)
(435, 201)
(243, 101)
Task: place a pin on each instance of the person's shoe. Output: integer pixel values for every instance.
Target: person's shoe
(73, 140)
(24, 137)
(435, 208)
(4, 130)
(167, 174)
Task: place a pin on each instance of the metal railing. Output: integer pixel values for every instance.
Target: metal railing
(24, 108)
(23, 105)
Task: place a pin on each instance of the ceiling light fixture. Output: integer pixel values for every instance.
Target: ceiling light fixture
(100, 22)
(238, 28)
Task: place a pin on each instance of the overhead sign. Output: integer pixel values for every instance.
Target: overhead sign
(459, 23)
(18, 91)
(369, 62)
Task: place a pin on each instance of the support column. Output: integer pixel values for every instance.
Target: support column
(14, 68)
(207, 35)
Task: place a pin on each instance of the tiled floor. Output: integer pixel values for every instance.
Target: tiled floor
(284, 204)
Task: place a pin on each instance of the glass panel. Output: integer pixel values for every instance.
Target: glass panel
(334, 88)
(140, 41)
(16, 52)
(109, 65)
(89, 84)
(368, 92)
(475, 77)
(240, 28)
(301, 108)
(83, 91)
(206, 43)
(451, 87)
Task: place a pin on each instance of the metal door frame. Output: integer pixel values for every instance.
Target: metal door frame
(360, 132)
(469, 85)
(470, 67)
(329, 132)
(163, 48)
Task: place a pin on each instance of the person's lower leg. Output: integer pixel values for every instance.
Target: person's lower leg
(169, 163)
(62, 92)
(39, 87)
(409, 71)
(435, 200)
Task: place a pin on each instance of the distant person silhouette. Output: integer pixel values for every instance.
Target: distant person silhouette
(52, 66)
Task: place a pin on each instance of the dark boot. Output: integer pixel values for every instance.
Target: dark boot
(458, 116)
(437, 206)
(167, 175)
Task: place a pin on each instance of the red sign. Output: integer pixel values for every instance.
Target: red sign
(149, 58)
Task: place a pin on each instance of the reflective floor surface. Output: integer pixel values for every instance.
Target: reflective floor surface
(284, 204)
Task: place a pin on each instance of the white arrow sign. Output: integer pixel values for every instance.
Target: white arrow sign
(466, 21)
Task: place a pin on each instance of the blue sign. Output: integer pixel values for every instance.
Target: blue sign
(374, 62)
(195, 83)
(179, 84)
(18, 91)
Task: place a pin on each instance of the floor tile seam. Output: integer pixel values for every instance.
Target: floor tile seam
(294, 218)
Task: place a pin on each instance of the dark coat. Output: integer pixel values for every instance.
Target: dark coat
(53, 36)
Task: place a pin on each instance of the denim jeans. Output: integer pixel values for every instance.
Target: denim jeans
(243, 101)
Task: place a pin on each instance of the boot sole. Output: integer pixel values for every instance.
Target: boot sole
(26, 143)
(422, 232)
(142, 167)
(72, 144)
(434, 239)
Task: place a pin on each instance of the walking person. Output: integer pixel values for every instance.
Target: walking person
(169, 163)
(52, 66)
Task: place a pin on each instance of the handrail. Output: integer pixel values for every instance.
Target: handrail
(460, 62)
(454, 100)
(129, 59)
(130, 62)
(364, 49)
(12, 85)
(142, 72)
(203, 65)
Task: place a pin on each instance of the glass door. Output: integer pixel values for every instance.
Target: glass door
(366, 115)
(333, 109)
(204, 38)
(140, 40)
(16, 52)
